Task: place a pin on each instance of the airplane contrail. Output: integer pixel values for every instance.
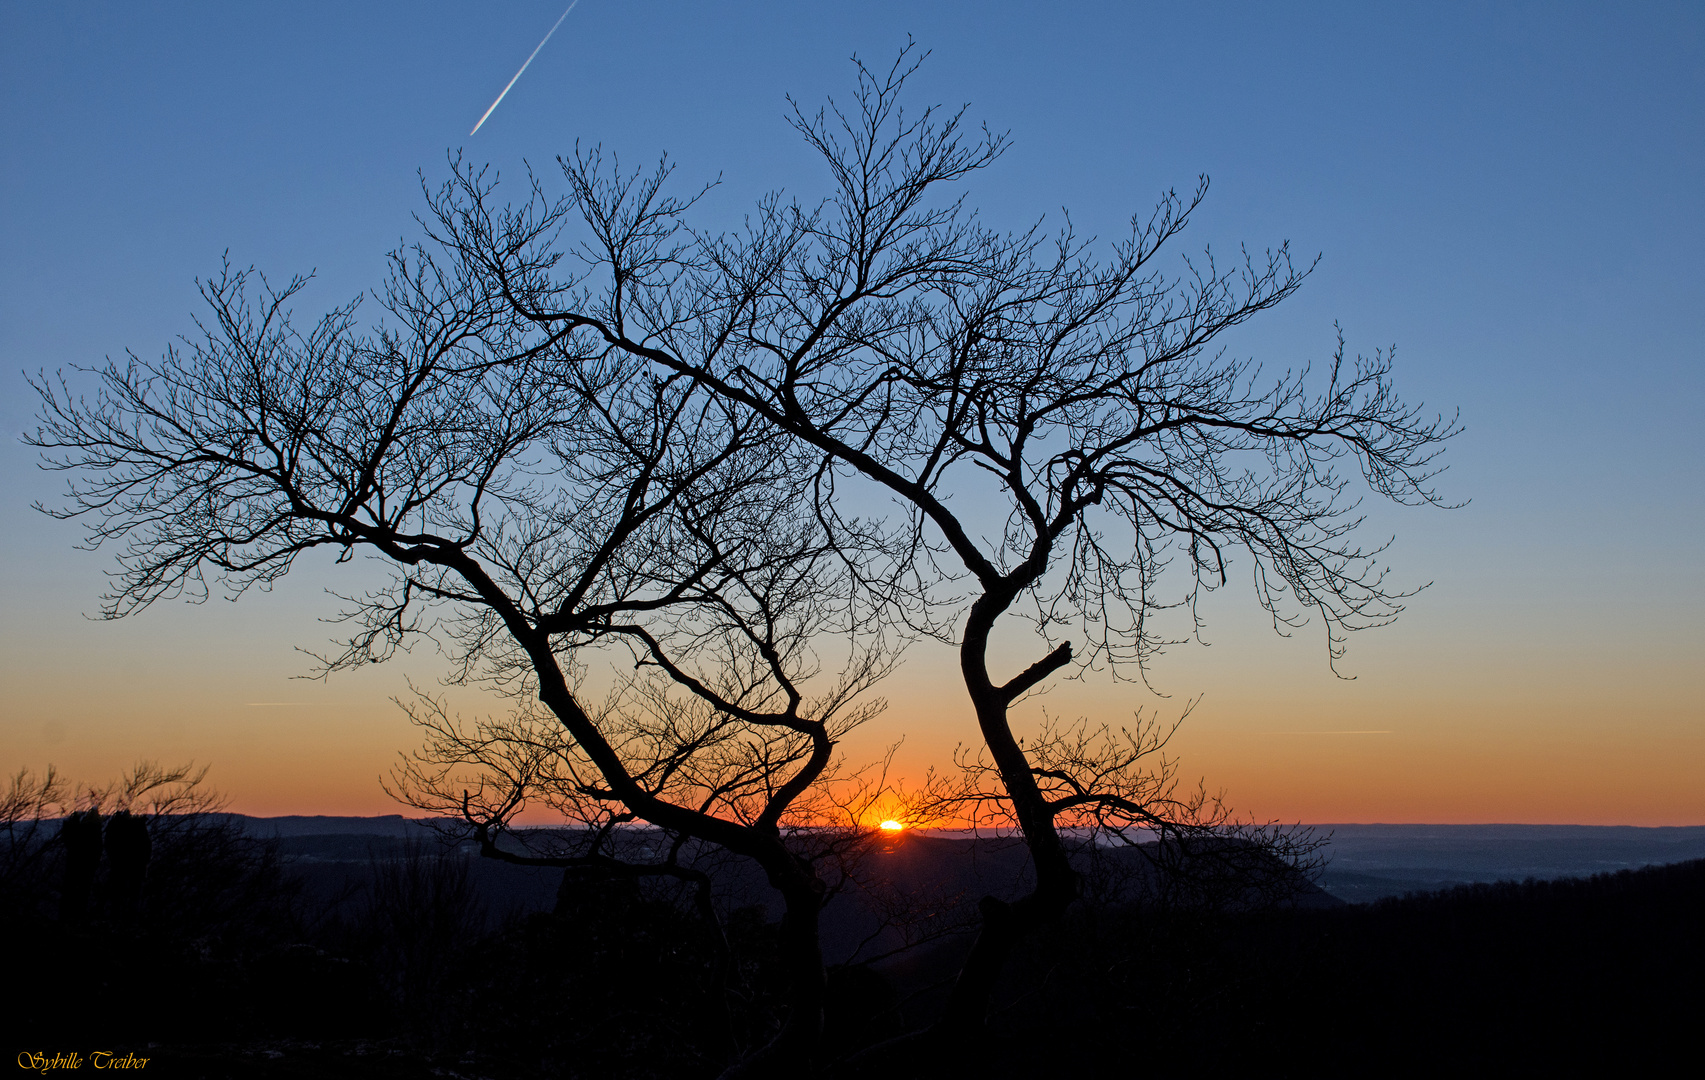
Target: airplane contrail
(529, 60)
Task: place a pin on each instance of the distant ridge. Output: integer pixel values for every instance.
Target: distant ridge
(1366, 861)
(1370, 862)
(393, 825)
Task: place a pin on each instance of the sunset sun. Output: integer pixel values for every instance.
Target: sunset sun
(891, 826)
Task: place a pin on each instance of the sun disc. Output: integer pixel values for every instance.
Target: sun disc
(892, 826)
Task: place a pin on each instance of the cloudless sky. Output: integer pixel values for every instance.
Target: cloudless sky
(1511, 194)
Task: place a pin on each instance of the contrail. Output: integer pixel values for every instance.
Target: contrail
(530, 56)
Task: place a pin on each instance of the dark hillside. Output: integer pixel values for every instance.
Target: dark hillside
(1593, 976)
(343, 953)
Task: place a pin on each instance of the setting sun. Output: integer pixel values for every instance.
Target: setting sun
(891, 826)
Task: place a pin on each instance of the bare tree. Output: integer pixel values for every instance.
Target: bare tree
(29, 808)
(633, 434)
(1082, 391)
(536, 508)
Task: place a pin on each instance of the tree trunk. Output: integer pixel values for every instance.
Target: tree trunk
(1005, 925)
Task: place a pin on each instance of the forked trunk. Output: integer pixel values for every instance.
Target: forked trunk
(1005, 925)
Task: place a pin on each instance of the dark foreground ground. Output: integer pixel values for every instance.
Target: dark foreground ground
(395, 964)
(1571, 977)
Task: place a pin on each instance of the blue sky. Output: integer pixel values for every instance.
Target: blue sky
(1510, 194)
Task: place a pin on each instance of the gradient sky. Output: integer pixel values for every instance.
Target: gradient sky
(1509, 193)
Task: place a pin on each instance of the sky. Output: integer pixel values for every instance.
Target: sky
(1508, 194)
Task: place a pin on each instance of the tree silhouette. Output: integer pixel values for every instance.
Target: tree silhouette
(589, 425)
(536, 509)
(1058, 420)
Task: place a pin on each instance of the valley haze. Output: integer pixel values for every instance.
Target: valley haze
(1365, 862)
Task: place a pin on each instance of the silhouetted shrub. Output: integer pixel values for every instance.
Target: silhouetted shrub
(80, 835)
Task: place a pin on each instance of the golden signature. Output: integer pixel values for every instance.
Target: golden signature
(38, 1061)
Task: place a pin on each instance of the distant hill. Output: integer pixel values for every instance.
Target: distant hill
(391, 825)
(1366, 862)
(1369, 862)
(942, 872)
